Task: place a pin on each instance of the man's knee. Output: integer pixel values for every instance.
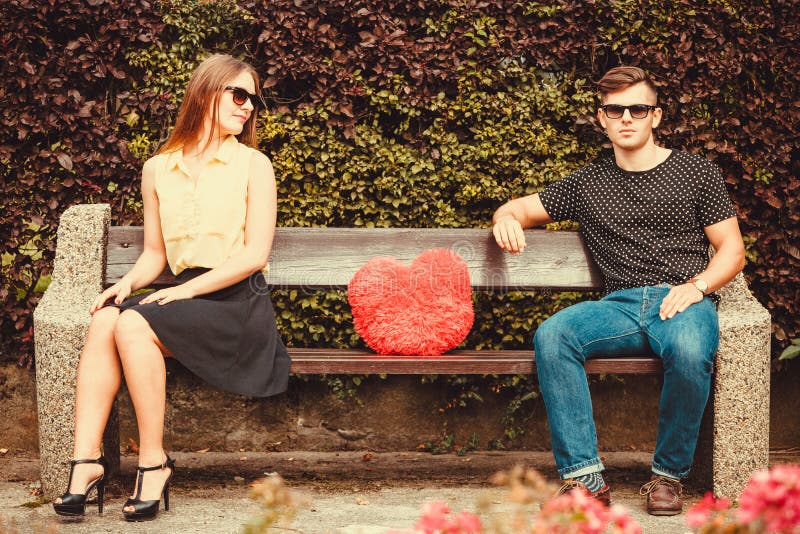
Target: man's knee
(549, 333)
(689, 341)
(558, 330)
(689, 352)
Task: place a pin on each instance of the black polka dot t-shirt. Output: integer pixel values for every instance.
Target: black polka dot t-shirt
(643, 228)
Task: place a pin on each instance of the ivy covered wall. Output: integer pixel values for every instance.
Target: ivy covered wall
(408, 113)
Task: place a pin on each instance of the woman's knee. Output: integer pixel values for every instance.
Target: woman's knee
(103, 323)
(131, 327)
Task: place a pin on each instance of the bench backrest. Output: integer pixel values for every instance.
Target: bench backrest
(329, 257)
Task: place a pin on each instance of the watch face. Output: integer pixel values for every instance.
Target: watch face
(701, 285)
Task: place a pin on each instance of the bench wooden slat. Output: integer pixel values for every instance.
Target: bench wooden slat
(328, 257)
(313, 258)
(353, 361)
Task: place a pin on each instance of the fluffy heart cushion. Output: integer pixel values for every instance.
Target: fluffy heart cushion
(422, 309)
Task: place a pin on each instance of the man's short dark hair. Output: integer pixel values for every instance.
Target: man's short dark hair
(622, 77)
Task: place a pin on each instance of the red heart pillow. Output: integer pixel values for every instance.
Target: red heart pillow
(423, 309)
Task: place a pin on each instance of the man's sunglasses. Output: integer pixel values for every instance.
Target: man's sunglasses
(240, 96)
(638, 111)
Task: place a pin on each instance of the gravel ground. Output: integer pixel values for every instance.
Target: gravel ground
(341, 492)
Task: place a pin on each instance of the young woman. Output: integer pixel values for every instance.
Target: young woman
(209, 212)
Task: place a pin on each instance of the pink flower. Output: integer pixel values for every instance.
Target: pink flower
(433, 518)
(468, 523)
(577, 511)
(772, 498)
(436, 519)
(701, 512)
(622, 522)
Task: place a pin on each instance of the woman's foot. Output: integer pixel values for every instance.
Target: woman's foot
(152, 482)
(152, 486)
(82, 476)
(85, 475)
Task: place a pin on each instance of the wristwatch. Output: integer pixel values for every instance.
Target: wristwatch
(699, 284)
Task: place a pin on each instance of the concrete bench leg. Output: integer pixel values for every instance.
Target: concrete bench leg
(741, 390)
(58, 348)
(60, 323)
(57, 352)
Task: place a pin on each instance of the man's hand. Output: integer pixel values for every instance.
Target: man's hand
(679, 299)
(509, 235)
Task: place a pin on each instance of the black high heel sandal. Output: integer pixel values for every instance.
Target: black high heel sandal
(73, 504)
(146, 510)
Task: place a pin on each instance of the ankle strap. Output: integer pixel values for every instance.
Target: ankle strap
(169, 462)
(100, 461)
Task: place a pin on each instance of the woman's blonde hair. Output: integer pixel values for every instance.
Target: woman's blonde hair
(202, 94)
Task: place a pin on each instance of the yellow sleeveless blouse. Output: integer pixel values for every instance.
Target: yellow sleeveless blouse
(202, 220)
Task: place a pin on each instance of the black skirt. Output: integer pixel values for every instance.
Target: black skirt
(228, 337)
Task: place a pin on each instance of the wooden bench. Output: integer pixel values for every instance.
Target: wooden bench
(302, 259)
(314, 258)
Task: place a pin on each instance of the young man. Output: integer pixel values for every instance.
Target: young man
(648, 215)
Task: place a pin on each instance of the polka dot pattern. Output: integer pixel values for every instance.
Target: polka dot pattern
(643, 228)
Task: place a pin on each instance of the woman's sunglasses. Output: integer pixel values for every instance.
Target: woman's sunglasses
(240, 96)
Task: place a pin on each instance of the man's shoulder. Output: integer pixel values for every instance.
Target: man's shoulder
(694, 160)
(596, 167)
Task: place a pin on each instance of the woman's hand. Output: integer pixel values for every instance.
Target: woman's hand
(118, 292)
(167, 295)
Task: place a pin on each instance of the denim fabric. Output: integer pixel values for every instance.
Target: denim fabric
(626, 322)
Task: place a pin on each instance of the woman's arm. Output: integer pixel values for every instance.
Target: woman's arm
(259, 230)
(153, 259)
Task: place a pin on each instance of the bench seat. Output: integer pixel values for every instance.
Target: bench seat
(460, 362)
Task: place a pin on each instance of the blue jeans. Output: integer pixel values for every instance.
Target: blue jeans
(626, 322)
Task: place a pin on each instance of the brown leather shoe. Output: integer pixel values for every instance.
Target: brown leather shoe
(603, 494)
(664, 495)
